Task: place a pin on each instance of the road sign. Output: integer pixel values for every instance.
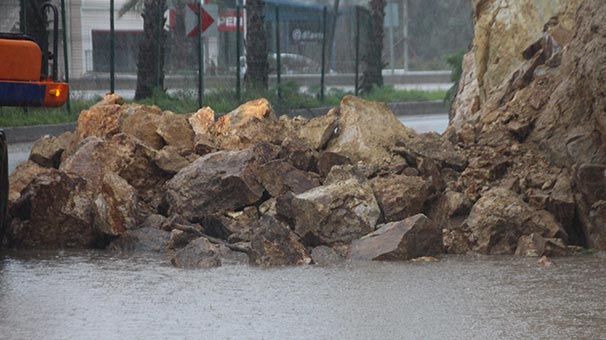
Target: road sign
(207, 22)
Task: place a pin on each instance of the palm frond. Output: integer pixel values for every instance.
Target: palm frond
(131, 6)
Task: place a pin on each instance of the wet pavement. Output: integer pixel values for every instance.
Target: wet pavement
(90, 295)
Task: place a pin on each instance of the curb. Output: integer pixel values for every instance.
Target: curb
(27, 134)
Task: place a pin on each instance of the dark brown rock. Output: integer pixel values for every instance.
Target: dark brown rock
(216, 182)
(327, 159)
(413, 237)
(169, 160)
(54, 211)
(323, 256)
(142, 122)
(279, 177)
(198, 254)
(274, 244)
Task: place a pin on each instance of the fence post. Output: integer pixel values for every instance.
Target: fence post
(23, 23)
(278, 53)
(357, 49)
(112, 48)
(324, 24)
(158, 45)
(200, 60)
(238, 38)
(65, 57)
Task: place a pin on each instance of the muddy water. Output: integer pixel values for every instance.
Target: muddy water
(96, 296)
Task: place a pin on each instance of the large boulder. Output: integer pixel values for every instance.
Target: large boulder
(334, 213)
(413, 237)
(400, 196)
(501, 217)
(368, 132)
(55, 210)
(274, 244)
(216, 182)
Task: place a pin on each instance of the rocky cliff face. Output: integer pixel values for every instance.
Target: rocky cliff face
(534, 80)
(503, 30)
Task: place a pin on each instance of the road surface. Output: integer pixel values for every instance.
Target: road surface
(18, 153)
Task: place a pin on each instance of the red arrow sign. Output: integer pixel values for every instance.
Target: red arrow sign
(206, 20)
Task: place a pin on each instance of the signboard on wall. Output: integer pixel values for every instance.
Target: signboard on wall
(228, 20)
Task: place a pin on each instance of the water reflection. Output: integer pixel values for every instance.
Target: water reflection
(92, 295)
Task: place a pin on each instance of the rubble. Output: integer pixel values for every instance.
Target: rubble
(521, 169)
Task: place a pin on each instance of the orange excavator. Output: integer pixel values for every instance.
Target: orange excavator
(25, 82)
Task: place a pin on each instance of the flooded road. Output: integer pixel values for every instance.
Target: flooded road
(96, 296)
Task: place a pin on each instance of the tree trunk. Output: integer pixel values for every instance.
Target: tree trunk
(150, 64)
(257, 67)
(373, 75)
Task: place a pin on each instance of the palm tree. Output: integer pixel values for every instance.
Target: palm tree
(150, 63)
(257, 67)
(373, 75)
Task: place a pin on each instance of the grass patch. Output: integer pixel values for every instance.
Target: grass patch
(220, 100)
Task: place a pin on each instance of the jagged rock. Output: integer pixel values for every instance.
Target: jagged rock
(327, 159)
(142, 122)
(252, 122)
(179, 239)
(216, 182)
(434, 147)
(500, 218)
(101, 121)
(368, 132)
(47, 150)
(279, 177)
(318, 131)
(125, 156)
(339, 212)
(115, 205)
(110, 99)
(323, 256)
(234, 226)
(413, 237)
(204, 144)
(149, 240)
(176, 131)
(154, 221)
(590, 180)
(298, 153)
(274, 244)
(201, 253)
(54, 211)
(342, 173)
(23, 175)
(202, 120)
(450, 209)
(169, 160)
(537, 246)
(400, 196)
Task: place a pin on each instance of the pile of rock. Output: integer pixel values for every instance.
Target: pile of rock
(521, 171)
